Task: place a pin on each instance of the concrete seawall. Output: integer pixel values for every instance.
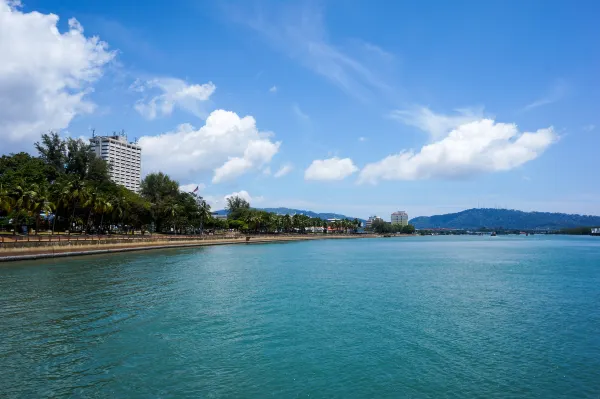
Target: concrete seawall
(56, 249)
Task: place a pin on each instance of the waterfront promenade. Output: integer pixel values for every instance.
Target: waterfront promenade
(45, 246)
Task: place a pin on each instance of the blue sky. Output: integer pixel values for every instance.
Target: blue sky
(353, 107)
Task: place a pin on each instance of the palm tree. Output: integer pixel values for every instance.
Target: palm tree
(79, 193)
(102, 206)
(22, 200)
(6, 202)
(357, 224)
(266, 220)
(120, 207)
(61, 194)
(90, 202)
(41, 204)
(203, 213)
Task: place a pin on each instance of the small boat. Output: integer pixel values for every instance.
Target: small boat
(493, 234)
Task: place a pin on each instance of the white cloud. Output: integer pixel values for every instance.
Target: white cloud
(227, 144)
(188, 188)
(472, 148)
(437, 125)
(245, 195)
(589, 128)
(45, 75)
(362, 139)
(299, 113)
(267, 171)
(256, 154)
(556, 93)
(284, 170)
(299, 32)
(172, 92)
(330, 169)
(273, 89)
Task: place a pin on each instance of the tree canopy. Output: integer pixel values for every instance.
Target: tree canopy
(67, 188)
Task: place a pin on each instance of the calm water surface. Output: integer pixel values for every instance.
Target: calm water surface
(431, 317)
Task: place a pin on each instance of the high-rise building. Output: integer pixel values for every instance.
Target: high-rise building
(125, 159)
(400, 218)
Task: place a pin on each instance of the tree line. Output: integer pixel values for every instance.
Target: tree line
(382, 227)
(66, 188)
(244, 218)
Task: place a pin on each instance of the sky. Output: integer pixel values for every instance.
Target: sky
(361, 108)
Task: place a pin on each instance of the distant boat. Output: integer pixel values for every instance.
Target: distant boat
(493, 234)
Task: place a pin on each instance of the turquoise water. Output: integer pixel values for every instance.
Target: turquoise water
(431, 317)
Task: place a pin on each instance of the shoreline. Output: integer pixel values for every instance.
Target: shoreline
(51, 251)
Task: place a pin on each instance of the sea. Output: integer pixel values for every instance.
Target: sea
(408, 317)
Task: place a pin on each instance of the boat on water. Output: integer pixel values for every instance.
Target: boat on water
(493, 234)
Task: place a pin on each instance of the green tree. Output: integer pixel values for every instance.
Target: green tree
(22, 198)
(60, 194)
(408, 229)
(79, 158)
(53, 151)
(237, 207)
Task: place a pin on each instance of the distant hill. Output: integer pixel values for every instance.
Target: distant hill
(504, 218)
(289, 211)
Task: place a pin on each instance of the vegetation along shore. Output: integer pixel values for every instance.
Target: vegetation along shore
(63, 201)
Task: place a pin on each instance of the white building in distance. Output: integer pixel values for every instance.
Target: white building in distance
(125, 159)
(400, 218)
(371, 220)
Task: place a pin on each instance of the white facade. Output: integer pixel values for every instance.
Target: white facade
(400, 218)
(125, 159)
(371, 220)
(596, 230)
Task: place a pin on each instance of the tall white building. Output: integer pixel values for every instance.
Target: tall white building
(125, 159)
(400, 218)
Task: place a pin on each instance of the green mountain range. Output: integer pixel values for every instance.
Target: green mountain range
(504, 219)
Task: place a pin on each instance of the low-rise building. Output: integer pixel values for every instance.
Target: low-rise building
(400, 218)
(596, 230)
(371, 220)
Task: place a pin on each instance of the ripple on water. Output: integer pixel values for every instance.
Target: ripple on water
(424, 317)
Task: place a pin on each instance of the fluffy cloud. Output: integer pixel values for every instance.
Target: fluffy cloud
(227, 144)
(172, 92)
(45, 75)
(284, 170)
(330, 169)
(273, 89)
(437, 125)
(471, 148)
(242, 194)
